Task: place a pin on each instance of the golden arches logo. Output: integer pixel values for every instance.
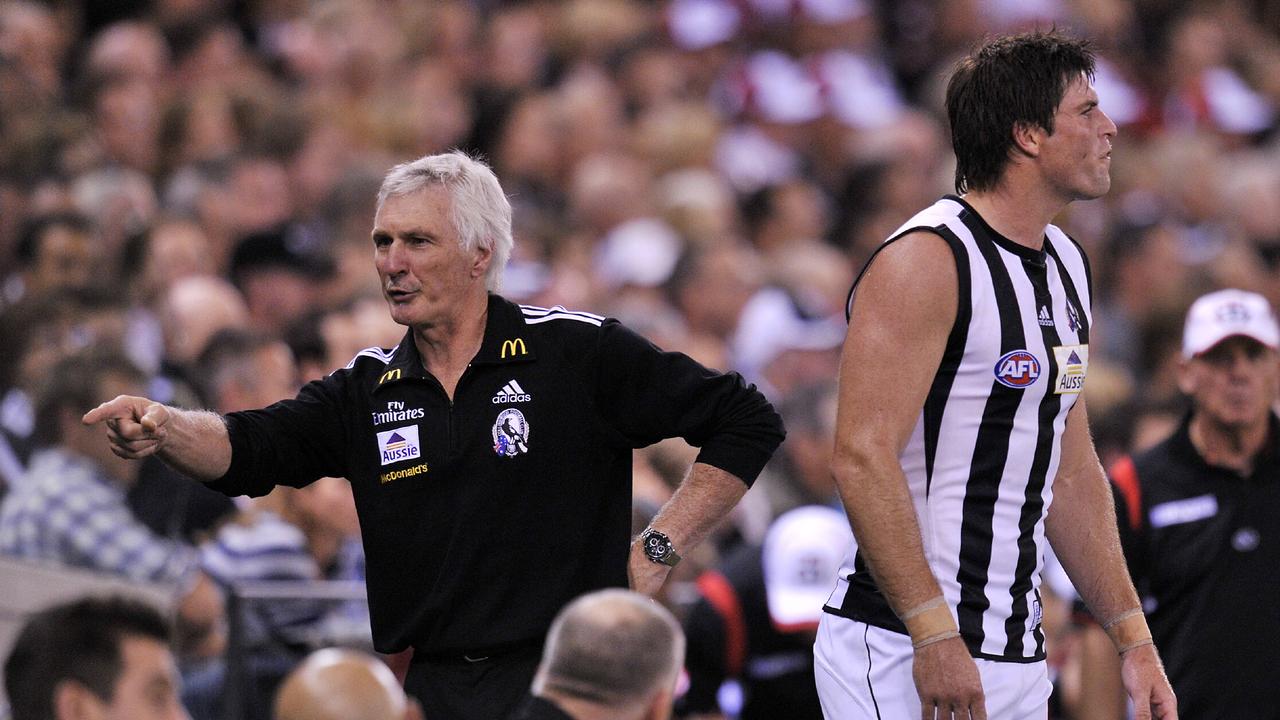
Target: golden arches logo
(389, 375)
(513, 348)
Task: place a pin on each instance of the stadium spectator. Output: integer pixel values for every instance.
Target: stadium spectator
(289, 534)
(71, 507)
(337, 684)
(754, 622)
(105, 658)
(610, 655)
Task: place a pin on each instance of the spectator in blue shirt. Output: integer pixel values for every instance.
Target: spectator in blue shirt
(70, 507)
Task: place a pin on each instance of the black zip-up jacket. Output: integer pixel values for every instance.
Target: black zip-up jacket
(1203, 546)
(483, 516)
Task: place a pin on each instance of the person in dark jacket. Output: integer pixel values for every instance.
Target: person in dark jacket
(1200, 519)
(489, 453)
(754, 622)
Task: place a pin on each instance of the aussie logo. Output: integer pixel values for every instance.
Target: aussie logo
(396, 412)
(399, 444)
(1017, 369)
(510, 433)
(1073, 365)
(511, 393)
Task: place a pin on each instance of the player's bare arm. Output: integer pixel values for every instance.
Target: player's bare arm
(1081, 527)
(193, 442)
(902, 313)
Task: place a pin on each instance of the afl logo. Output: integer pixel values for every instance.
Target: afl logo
(1017, 369)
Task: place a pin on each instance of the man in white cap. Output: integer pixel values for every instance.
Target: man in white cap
(1200, 516)
(756, 617)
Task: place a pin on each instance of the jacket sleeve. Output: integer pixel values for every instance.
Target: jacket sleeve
(648, 395)
(293, 442)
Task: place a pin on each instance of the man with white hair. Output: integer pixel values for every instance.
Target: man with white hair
(610, 655)
(489, 453)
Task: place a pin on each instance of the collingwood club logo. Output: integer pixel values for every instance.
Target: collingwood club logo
(510, 433)
(511, 393)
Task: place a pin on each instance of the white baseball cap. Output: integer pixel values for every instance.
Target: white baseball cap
(802, 553)
(1227, 313)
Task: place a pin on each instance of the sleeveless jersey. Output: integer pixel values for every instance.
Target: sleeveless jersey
(982, 457)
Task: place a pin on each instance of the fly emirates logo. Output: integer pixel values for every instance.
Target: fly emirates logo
(396, 412)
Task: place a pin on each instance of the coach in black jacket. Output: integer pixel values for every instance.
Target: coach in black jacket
(489, 454)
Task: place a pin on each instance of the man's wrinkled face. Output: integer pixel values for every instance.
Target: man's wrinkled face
(425, 272)
(1233, 383)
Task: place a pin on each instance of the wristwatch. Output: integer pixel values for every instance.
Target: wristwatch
(658, 548)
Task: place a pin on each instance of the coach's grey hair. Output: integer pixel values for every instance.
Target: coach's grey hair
(481, 212)
(612, 648)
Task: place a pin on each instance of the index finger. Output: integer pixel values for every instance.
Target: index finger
(120, 407)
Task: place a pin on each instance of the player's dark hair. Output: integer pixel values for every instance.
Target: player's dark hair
(78, 641)
(1007, 82)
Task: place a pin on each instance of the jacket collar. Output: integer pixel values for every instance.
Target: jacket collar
(1265, 462)
(506, 340)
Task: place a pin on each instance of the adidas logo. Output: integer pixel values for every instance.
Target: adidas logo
(511, 393)
(1045, 318)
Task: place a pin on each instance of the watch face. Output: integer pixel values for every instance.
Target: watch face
(656, 546)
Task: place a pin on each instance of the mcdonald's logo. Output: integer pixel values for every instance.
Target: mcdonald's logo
(389, 375)
(514, 348)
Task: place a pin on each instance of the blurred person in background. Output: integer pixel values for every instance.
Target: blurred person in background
(338, 684)
(192, 311)
(59, 251)
(487, 415)
(754, 622)
(281, 274)
(71, 507)
(39, 331)
(800, 472)
(293, 534)
(94, 659)
(960, 416)
(610, 655)
(1199, 519)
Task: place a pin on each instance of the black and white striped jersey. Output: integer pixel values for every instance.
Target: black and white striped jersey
(982, 457)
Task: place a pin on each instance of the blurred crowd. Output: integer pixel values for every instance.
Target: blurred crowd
(187, 189)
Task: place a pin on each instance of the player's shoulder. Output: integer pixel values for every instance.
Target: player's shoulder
(370, 358)
(558, 323)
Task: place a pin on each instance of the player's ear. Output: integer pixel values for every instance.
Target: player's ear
(1028, 137)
